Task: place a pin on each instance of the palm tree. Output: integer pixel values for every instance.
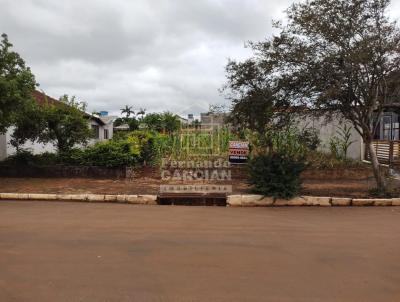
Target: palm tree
(127, 110)
(141, 112)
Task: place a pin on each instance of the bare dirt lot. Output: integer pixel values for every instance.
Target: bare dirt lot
(355, 183)
(110, 252)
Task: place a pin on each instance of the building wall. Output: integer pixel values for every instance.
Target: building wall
(34, 147)
(3, 146)
(327, 129)
(101, 137)
(217, 119)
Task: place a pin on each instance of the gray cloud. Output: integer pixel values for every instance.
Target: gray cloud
(156, 54)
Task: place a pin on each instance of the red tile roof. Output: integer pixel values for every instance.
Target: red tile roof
(41, 98)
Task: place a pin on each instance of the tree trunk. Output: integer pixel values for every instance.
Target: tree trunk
(380, 180)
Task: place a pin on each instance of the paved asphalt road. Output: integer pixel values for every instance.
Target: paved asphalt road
(105, 252)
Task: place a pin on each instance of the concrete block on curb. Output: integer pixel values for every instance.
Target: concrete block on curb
(281, 202)
(363, 202)
(95, 198)
(6, 196)
(132, 199)
(396, 202)
(110, 198)
(297, 201)
(73, 197)
(121, 198)
(341, 202)
(14, 196)
(256, 201)
(43, 197)
(383, 202)
(234, 200)
(318, 201)
(147, 199)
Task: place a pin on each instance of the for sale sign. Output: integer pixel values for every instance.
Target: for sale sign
(238, 152)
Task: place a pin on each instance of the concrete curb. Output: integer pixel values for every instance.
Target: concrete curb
(98, 198)
(259, 200)
(232, 200)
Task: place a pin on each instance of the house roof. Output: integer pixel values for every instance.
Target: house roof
(123, 127)
(42, 99)
(108, 119)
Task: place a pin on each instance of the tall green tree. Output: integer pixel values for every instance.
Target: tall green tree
(16, 84)
(65, 124)
(153, 121)
(338, 56)
(29, 124)
(170, 122)
(254, 105)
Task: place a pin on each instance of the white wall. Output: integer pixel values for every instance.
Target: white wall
(329, 128)
(34, 147)
(3, 146)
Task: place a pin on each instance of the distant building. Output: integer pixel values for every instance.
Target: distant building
(190, 118)
(214, 119)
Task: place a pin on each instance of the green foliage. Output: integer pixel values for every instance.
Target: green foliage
(340, 143)
(170, 122)
(132, 122)
(127, 111)
(65, 124)
(278, 159)
(106, 154)
(27, 158)
(29, 124)
(153, 122)
(161, 122)
(286, 141)
(254, 105)
(310, 138)
(16, 84)
(320, 161)
(275, 175)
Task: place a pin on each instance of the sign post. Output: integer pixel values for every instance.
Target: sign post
(238, 152)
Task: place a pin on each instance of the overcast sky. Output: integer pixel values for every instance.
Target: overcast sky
(155, 54)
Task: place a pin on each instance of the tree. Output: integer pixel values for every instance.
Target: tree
(133, 124)
(335, 55)
(254, 105)
(127, 111)
(141, 112)
(217, 108)
(65, 124)
(170, 122)
(29, 124)
(16, 84)
(153, 121)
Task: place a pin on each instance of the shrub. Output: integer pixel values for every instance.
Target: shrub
(27, 158)
(310, 138)
(108, 154)
(276, 175)
(320, 160)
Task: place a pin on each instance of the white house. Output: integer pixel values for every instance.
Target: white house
(102, 127)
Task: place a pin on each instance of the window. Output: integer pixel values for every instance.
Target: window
(387, 127)
(396, 128)
(96, 131)
(390, 127)
(105, 133)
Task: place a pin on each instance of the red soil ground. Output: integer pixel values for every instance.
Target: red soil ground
(351, 182)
